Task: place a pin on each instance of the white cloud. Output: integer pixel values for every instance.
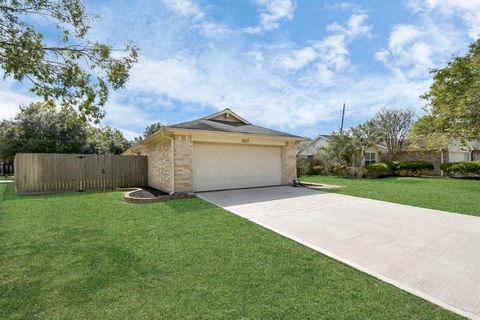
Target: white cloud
(271, 13)
(185, 8)
(355, 26)
(415, 48)
(467, 10)
(10, 102)
(332, 51)
(123, 116)
(298, 58)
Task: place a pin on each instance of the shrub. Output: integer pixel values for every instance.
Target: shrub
(393, 166)
(318, 170)
(414, 168)
(341, 171)
(464, 169)
(303, 167)
(379, 169)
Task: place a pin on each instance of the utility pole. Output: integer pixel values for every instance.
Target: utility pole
(343, 119)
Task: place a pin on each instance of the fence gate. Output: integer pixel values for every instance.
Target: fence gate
(45, 173)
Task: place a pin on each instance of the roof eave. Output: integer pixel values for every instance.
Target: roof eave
(185, 130)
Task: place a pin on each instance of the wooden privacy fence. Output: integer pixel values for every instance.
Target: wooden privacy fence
(46, 173)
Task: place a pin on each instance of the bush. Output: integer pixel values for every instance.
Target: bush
(464, 169)
(403, 168)
(341, 171)
(379, 169)
(303, 167)
(393, 166)
(318, 170)
(414, 168)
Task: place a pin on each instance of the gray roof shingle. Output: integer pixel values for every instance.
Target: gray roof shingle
(228, 126)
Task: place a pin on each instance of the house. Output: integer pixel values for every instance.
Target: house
(455, 151)
(219, 151)
(309, 149)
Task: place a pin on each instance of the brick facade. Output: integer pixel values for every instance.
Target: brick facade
(290, 162)
(183, 163)
(160, 165)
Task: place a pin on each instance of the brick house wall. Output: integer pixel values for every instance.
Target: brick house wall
(290, 163)
(159, 165)
(183, 159)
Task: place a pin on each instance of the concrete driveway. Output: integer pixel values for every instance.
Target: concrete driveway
(432, 254)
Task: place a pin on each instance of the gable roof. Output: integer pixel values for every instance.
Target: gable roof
(475, 144)
(232, 123)
(305, 145)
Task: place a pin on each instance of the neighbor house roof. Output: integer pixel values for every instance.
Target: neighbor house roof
(235, 124)
(303, 145)
(475, 144)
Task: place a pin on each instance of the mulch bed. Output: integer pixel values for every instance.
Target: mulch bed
(147, 193)
(150, 195)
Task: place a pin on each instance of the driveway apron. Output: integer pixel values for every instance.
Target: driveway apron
(432, 254)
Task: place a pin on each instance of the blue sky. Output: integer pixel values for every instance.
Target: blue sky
(285, 64)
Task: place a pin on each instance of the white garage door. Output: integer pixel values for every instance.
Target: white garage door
(219, 166)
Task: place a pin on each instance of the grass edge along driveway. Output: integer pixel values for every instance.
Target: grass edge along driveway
(446, 194)
(89, 255)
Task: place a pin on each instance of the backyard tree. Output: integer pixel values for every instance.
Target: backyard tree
(453, 99)
(59, 61)
(40, 127)
(152, 128)
(105, 140)
(391, 127)
(149, 130)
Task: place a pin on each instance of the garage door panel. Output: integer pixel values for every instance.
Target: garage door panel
(228, 166)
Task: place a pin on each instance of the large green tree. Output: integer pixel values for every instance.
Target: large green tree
(454, 99)
(391, 127)
(59, 60)
(106, 140)
(40, 127)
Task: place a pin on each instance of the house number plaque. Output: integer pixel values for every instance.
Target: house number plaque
(245, 140)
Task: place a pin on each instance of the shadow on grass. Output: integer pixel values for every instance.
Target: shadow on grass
(73, 265)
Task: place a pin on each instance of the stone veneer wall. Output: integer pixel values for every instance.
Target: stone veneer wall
(183, 163)
(159, 165)
(290, 156)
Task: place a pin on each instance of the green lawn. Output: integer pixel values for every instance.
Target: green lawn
(89, 255)
(454, 195)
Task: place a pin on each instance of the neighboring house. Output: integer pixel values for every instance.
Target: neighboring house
(220, 151)
(309, 149)
(456, 151)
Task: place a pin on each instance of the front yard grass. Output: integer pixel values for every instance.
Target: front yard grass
(454, 195)
(89, 255)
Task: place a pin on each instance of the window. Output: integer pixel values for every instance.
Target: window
(370, 157)
(310, 157)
